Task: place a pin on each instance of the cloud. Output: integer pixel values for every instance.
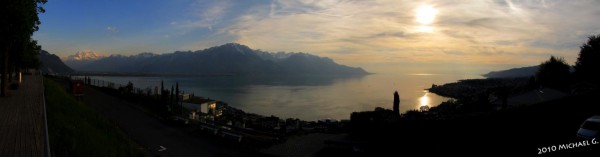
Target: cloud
(494, 31)
(206, 14)
(313, 24)
(459, 53)
(352, 32)
(112, 29)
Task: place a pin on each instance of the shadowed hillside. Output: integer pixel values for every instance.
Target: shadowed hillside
(52, 64)
(514, 72)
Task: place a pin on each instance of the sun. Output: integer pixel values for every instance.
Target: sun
(426, 14)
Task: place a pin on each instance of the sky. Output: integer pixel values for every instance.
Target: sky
(465, 36)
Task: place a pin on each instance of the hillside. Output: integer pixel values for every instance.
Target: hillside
(514, 72)
(51, 64)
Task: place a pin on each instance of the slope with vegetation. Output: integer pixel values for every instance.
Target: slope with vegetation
(51, 64)
(75, 129)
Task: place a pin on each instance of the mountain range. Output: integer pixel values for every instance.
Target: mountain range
(514, 72)
(84, 56)
(227, 59)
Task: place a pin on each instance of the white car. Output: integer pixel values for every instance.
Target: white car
(590, 128)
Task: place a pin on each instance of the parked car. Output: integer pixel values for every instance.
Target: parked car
(590, 128)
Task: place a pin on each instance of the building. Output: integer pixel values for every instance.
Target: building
(193, 107)
(184, 97)
(215, 108)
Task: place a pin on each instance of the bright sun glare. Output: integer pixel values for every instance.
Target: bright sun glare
(424, 100)
(426, 14)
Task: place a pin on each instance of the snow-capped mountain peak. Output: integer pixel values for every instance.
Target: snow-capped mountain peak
(84, 56)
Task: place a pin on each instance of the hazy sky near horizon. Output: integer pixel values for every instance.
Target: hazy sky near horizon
(378, 35)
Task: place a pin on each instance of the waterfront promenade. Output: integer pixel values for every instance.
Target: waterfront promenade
(22, 122)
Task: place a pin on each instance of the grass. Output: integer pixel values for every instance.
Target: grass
(75, 129)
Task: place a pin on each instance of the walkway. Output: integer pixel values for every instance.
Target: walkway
(22, 125)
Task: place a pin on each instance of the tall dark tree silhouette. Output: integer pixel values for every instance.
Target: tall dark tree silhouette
(588, 62)
(396, 103)
(162, 91)
(177, 97)
(176, 92)
(554, 73)
(19, 19)
(28, 58)
(172, 95)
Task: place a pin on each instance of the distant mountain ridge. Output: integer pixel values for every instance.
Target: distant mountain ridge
(84, 56)
(52, 64)
(81, 58)
(514, 72)
(227, 59)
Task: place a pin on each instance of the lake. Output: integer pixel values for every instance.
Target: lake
(307, 98)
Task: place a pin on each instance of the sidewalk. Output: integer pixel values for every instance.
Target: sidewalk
(22, 124)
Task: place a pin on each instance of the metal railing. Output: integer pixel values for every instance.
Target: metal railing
(47, 149)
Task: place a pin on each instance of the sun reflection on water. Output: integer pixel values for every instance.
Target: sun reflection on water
(424, 100)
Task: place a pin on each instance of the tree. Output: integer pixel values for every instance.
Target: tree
(162, 91)
(177, 96)
(28, 58)
(172, 95)
(554, 73)
(588, 62)
(19, 19)
(176, 92)
(396, 103)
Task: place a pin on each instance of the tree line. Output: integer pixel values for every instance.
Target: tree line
(556, 73)
(18, 51)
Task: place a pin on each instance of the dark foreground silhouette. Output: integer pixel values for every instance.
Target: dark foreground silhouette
(514, 131)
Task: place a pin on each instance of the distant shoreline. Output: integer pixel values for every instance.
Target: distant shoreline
(141, 74)
(207, 75)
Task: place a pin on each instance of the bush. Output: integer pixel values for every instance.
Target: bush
(589, 60)
(554, 73)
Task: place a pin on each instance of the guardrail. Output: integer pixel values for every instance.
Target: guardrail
(47, 140)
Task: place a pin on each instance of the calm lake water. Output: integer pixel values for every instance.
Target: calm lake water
(307, 98)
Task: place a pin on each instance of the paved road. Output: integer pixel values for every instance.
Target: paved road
(150, 132)
(22, 124)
